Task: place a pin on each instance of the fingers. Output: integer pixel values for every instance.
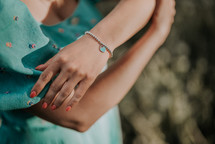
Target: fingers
(45, 65)
(44, 78)
(41, 67)
(70, 74)
(63, 94)
(79, 93)
(54, 89)
(173, 10)
(66, 90)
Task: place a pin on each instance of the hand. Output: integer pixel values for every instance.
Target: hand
(78, 63)
(163, 17)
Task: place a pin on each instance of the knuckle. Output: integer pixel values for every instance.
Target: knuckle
(72, 68)
(62, 60)
(90, 77)
(81, 73)
(78, 96)
(64, 94)
(70, 102)
(54, 87)
(58, 102)
(174, 11)
(47, 99)
(45, 77)
(75, 101)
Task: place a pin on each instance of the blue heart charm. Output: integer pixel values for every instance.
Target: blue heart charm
(102, 49)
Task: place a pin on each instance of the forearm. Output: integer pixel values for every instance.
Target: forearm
(111, 86)
(126, 19)
(108, 89)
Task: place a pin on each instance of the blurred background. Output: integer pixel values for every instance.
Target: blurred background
(172, 102)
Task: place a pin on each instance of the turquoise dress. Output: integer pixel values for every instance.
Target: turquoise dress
(26, 43)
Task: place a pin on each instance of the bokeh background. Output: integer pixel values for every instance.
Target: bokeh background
(172, 102)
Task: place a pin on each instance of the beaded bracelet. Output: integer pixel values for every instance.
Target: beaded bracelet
(102, 47)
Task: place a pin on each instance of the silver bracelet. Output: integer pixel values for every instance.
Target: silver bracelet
(102, 47)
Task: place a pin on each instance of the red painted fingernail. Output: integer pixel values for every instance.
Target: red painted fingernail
(44, 106)
(33, 94)
(68, 108)
(38, 66)
(53, 107)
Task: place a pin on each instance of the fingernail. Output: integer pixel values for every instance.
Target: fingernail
(68, 108)
(38, 66)
(44, 106)
(33, 94)
(53, 107)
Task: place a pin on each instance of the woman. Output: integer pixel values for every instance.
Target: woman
(79, 63)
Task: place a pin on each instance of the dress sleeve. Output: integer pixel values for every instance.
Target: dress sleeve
(23, 46)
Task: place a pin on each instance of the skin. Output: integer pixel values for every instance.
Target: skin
(111, 86)
(82, 66)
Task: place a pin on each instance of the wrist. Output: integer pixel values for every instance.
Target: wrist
(106, 37)
(88, 41)
(102, 47)
(161, 33)
(162, 30)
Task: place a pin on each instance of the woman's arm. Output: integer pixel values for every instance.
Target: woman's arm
(108, 89)
(126, 19)
(81, 61)
(112, 85)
